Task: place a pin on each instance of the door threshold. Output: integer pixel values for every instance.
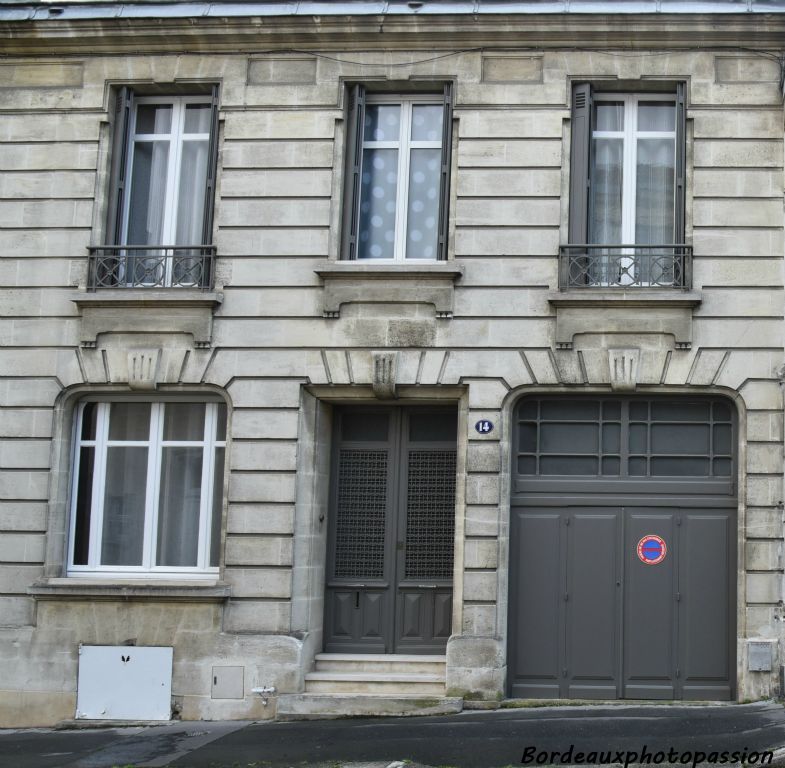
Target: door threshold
(543, 703)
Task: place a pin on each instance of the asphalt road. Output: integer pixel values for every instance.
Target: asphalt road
(467, 740)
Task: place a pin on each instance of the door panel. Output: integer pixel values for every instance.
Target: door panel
(391, 537)
(592, 604)
(650, 610)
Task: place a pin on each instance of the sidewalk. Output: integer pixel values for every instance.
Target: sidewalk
(467, 740)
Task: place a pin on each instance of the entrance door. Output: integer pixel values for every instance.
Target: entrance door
(622, 576)
(391, 531)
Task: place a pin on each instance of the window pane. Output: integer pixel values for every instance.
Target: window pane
(377, 208)
(611, 465)
(609, 116)
(564, 438)
(611, 438)
(148, 193)
(364, 426)
(190, 201)
(527, 437)
(122, 542)
(129, 421)
(638, 438)
(89, 421)
(568, 465)
(656, 116)
(722, 467)
(570, 410)
(427, 122)
(639, 410)
(722, 412)
(680, 438)
(84, 505)
(611, 410)
(178, 506)
(722, 438)
(527, 465)
(669, 410)
(382, 122)
(423, 204)
(220, 427)
(680, 467)
(154, 118)
(184, 421)
(637, 466)
(654, 200)
(433, 427)
(606, 191)
(217, 507)
(197, 118)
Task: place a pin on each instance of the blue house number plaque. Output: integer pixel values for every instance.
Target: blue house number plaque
(483, 426)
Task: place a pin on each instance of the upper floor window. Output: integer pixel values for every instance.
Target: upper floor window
(627, 177)
(147, 488)
(159, 226)
(397, 177)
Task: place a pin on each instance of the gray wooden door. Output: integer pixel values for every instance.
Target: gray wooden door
(591, 615)
(391, 531)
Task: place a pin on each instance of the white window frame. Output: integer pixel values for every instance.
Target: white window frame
(404, 145)
(154, 444)
(630, 136)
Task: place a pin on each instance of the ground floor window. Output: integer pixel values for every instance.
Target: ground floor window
(147, 487)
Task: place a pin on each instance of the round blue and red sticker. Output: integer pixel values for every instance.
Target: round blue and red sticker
(652, 549)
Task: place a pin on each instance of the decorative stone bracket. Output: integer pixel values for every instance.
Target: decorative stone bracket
(624, 364)
(347, 282)
(611, 311)
(172, 310)
(385, 374)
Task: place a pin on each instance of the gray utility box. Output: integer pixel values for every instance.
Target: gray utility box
(120, 682)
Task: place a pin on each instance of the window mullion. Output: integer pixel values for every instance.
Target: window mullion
(629, 168)
(153, 484)
(99, 486)
(202, 560)
(403, 181)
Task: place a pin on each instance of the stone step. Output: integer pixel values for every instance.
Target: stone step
(366, 662)
(374, 682)
(309, 706)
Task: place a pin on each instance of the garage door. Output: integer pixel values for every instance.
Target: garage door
(623, 549)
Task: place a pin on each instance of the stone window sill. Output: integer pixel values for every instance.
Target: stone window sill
(347, 282)
(207, 591)
(611, 310)
(178, 310)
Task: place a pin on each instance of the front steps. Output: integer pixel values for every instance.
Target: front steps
(356, 685)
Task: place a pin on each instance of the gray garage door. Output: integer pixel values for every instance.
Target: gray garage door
(623, 549)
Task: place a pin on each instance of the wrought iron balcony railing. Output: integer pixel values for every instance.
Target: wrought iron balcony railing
(625, 266)
(151, 266)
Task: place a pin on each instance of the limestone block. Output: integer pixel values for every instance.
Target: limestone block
(762, 395)
(740, 153)
(15, 579)
(753, 182)
(361, 366)
(49, 332)
(270, 393)
(508, 241)
(486, 393)
(501, 302)
(431, 366)
(31, 709)
(508, 183)
(31, 157)
(764, 457)
(58, 128)
(752, 94)
(268, 455)
(706, 366)
(763, 123)
(763, 491)
(337, 363)
(50, 272)
(23, 454)
(748, 364)
(483, 457)
(505, 364)
(510, 69)
(763, 555)
(477, 684)
(280, 124)
(205, 708)
(24, 484)
(480, 586)
(46, 213)
(529, 271)
(277, 154)
(49, 184)
(764, 522)
(494, 416)
(511, 123)
(261, 486)
(278, 183)
(745, 69)
(256, 616)
(569, 366)
(260, 582)
(16, 611)
(269, 242)
(479, 619)
(550, 94)
(764, 587)
(481, 521)
(258, 550)
(482, 489)
(22, 515)
(760, 620)
(739, 302)
(742, 272)
(747, 213)
(736, 332)
(259, 518)
(408, 366)
(507, 211)
(26, 422)
(261, 423)
(765, 426)
(519, 153)
(480, 553)
(22, 547)
(251, 363)
(300, 212)
(28, 392)
(271, 302)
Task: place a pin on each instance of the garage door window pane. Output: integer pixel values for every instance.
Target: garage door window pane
(679, 466)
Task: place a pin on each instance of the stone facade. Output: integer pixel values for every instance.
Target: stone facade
(478, 333)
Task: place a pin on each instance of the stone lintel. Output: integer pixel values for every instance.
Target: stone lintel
(348, 282)
(172, 310)
(624, 312)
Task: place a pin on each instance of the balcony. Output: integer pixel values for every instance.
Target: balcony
(625, 266)
(151, 266)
